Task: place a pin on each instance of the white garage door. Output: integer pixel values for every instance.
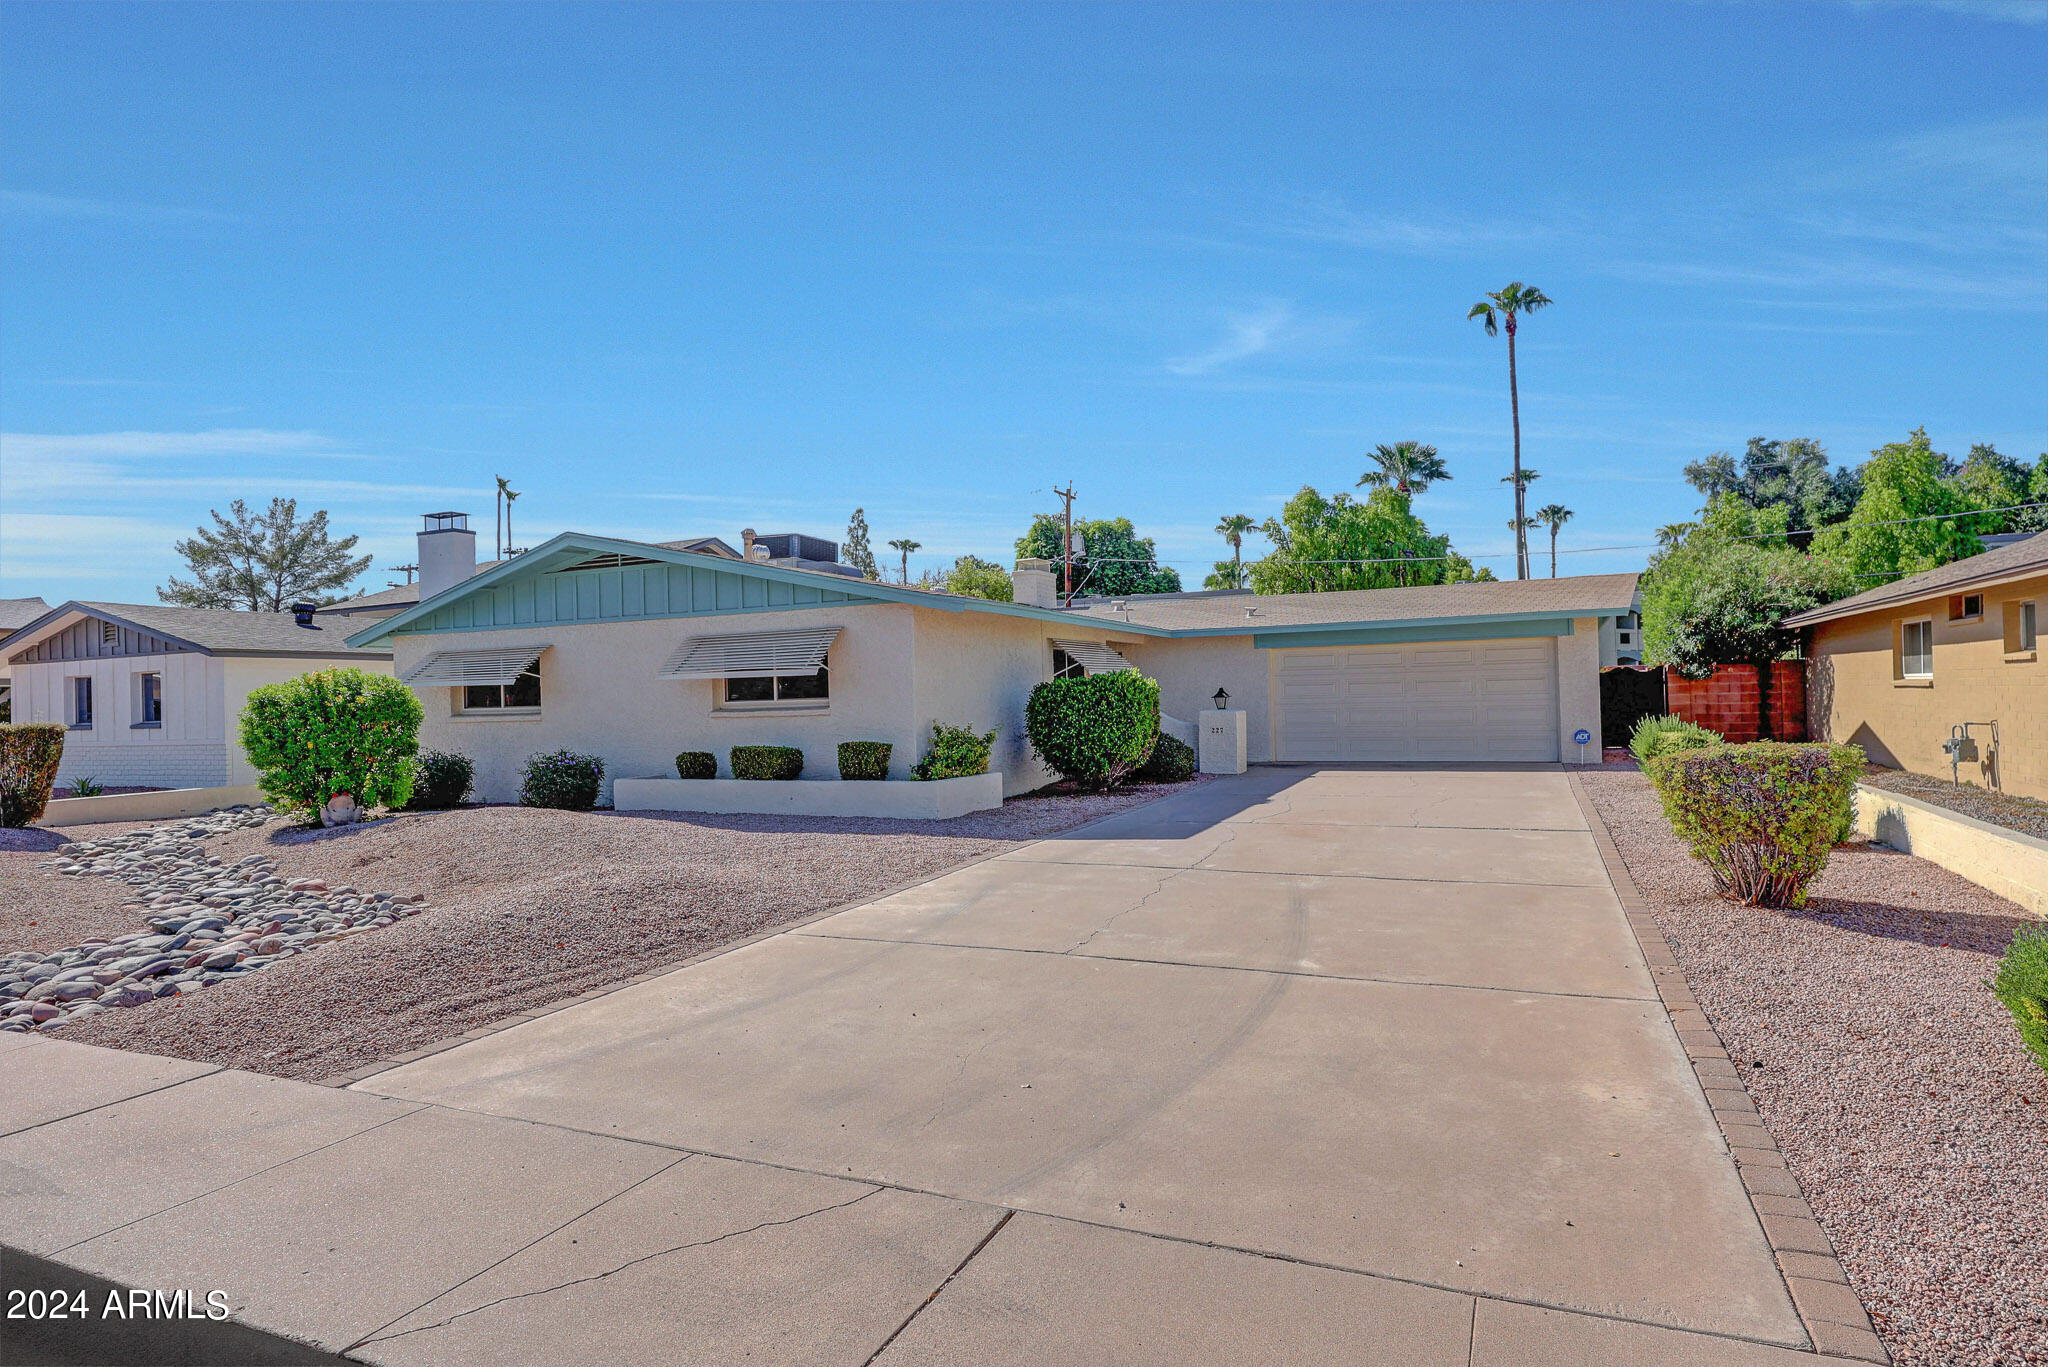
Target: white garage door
(1476, 700)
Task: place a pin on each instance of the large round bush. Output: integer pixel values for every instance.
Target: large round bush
(1094, 731)
(1761, 817)
(562, 778)
(335, 731)
(29, 755)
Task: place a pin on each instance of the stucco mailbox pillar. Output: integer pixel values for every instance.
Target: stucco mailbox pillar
(1219, 741)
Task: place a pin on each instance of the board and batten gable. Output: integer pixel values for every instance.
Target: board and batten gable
(571, 593)
(95, 639)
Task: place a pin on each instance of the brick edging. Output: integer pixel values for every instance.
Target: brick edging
(1828, 1306)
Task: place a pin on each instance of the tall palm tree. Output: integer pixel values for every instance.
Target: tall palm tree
(1671, 533)
(906, 546)
(1408, 467)
(1553, 516)
(1510, 303)
(1520, 527)
(510, 494)
(1232, 530)
(498, 509)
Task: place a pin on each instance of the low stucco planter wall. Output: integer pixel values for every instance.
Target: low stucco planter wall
(2012, 865)
(158, 806)
(903, 799)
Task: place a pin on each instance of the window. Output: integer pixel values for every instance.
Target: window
(149, 700)
(1916, 650)
(2026, 626)
(1065, 666)
(1964, 607)
(2021, 622)
(782, 688)
(521, 695)
(81, 704)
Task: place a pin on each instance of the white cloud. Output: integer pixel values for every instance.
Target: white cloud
(1245, 336)
(33, 462)
(34, 204)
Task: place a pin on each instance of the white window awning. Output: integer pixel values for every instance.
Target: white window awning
(751, 654)
(497, 665)
(1094, 656)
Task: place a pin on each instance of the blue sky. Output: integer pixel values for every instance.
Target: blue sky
(679, 270)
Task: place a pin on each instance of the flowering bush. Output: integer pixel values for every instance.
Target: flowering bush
(331, 732)
(29, 754)
(957, 752)
(1761, 817)
(564, 779)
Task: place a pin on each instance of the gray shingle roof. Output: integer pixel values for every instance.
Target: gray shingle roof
(1585, 595)
(2019, 558)
(16, 613)
(227, 632)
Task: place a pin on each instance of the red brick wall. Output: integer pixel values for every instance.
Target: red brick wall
(1727, 702)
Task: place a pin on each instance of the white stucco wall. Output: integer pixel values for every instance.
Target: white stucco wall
(978, 670)
(241, 673)
(1190, 670)
(1578, 689)
(188, 750)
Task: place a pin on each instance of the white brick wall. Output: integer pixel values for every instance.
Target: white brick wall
(151, 766)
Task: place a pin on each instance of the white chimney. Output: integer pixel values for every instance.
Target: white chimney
(447, 552)
(1032, 584)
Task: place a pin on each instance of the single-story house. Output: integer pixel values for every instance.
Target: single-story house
(15, 613)
(152, 694)
(635, 651)
(1897, 668)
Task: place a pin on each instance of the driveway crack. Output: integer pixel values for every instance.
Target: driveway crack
(1157, 888)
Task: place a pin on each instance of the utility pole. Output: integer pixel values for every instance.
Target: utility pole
(1067, 556)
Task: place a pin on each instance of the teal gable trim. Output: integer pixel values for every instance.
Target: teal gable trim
(1405, 633)
(628, 594)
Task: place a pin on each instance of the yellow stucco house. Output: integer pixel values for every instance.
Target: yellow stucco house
(1898, 669)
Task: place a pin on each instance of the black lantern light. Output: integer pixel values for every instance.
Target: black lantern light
(1222, 699)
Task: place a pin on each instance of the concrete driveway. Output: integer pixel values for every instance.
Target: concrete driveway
(1314, 1064)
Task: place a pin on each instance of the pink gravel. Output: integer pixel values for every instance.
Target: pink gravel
(41, 911)
(1892, 1078)
(529, 906)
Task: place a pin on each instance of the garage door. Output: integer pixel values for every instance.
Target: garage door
(1462, 700)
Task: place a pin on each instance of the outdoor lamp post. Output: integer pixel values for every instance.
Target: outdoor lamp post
(1222, 699)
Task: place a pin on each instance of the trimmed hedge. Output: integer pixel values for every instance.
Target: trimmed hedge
(957, 752)
(2022, 984)
(333, 731)
(780, 762)
(696, 764)
(1655, 736)
(1173, 761)
(1761, 817)
(441, 778)
(29, 754)
(1095, 731)
(562, 779)
(864, 760)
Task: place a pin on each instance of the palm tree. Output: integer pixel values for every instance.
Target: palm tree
(1553, 516)
(510, 494)
(1232, 530)
(1511, 302)
(1408, 467)
(498, 509)
(1671, 533)
(906, 546)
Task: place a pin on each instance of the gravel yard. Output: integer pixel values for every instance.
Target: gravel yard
(40, 912)
(526, 907)
(2026, 815)
(1891, 1077)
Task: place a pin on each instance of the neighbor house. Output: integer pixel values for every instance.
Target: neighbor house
(1899, 668)
(636, 651)
(15, 613)
(152, 695)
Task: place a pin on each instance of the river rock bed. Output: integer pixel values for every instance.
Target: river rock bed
(209, 921)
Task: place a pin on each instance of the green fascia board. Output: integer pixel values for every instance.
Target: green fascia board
(1400, 633)
(1406, 623)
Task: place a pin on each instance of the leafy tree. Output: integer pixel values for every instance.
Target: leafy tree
(1906, 519)
(905, 547)
(263, 563)
(1117, 564)
(1229, 574)
(857, 552)
(1509, 304)
(1321, 544)
(1791, 474)
(1408, 467)
(1553, 516)
(1987, 479)
(973, 577)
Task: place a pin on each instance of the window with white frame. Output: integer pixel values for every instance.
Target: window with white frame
(1916, 649)
(81, 702)
(149, 700)
(521, 696)
(798, 689)
(2021, 628)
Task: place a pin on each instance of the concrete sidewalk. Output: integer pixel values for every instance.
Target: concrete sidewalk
(1356, 1065)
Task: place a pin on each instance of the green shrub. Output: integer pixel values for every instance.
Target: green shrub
(563, 779)
(1654, 736)
(29, 755)
(956, 752)
(864, 759)
(696, 764)
(1761, 817)
(85, 785)
(441, 778)
(1173, 761)
(334, 731)
(1095, 731)
(766, 761)
(2022, 984)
